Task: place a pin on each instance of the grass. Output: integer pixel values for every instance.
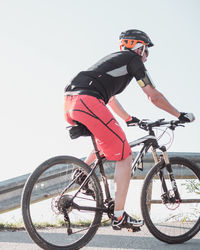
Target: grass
(20, 226)
(192, 186)
(12, 226)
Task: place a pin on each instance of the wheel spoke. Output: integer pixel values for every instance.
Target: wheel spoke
(169, 219)
(51, 218)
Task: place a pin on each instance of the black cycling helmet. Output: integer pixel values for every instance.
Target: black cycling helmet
(129, 39)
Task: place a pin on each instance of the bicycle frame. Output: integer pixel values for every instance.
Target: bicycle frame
(148, 141)
(177, 222)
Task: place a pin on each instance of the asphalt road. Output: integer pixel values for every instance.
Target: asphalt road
(105, 239)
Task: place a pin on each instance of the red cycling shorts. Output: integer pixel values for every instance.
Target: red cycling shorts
(94, 114)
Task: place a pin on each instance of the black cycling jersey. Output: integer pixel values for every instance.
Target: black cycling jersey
(109, 76)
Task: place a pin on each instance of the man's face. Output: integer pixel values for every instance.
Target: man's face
(145, 55)
(139, 51)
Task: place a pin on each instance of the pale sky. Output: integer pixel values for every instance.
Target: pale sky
(44, 43)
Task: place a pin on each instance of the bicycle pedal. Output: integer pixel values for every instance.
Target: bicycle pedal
(134, 229)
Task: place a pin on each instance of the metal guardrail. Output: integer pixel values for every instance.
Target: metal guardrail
(10, 190)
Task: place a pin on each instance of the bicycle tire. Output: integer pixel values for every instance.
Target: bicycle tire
(39, 176)
(167, 230)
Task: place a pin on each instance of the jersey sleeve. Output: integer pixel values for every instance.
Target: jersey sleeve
(136, 68)
(146, 80)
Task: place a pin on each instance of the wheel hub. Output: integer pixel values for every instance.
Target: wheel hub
(61, 204)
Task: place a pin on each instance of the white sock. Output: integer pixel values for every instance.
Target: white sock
(118, 213)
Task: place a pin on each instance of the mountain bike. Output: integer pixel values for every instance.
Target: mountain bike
(64, 199)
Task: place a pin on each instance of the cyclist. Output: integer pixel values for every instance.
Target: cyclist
(87, 95)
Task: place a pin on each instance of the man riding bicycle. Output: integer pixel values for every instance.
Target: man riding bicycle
(87, 95)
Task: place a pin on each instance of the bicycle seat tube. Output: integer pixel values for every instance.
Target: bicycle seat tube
(102, 171)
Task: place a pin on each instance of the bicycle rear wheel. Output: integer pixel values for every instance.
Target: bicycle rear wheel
(46, 215)
(173, 222)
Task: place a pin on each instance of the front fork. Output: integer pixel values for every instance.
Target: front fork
(167, 165)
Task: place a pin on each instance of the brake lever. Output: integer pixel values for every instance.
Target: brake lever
(175, 124)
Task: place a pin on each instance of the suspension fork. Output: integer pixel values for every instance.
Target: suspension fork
(167, 164)
(155, 156)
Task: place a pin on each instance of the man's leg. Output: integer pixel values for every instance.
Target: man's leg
(92, 157)
(122, 180)
(112, 141)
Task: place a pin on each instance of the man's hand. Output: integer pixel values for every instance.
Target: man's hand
(186, 117)
(132, 121)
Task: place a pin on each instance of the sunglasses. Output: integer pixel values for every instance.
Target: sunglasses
(145, 51)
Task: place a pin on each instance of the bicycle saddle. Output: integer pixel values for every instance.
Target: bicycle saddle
(79, 130)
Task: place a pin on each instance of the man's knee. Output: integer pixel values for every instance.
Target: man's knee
(128, 159)
(127, 162)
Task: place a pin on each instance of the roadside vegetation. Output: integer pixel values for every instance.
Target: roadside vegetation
(20, 226)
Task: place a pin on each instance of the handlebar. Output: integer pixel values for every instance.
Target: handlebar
(148, 125)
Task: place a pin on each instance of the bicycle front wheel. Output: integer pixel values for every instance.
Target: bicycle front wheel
(51, 205)
(172, 221)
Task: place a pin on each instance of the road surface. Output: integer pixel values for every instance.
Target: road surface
(105, 239)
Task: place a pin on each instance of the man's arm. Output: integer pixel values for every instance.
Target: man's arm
(159, 100)
(117, 108)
